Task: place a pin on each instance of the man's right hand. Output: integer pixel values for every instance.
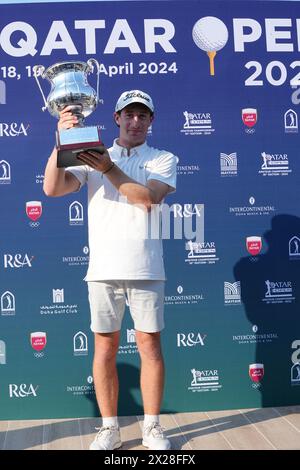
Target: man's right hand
(67, 120)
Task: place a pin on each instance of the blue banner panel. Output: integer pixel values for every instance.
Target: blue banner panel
(225, 80)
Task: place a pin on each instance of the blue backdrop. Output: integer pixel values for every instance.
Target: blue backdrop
(232, 302)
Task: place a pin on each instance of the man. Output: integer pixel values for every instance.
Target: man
(126, 184)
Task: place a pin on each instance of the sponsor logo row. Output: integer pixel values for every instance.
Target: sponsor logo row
(25, 260)
(34, 211)
(206, 252)
(38, 341)
(271, 164)
(194, 123)
(196, 253)
(201, 123)
(201, 380)
(275, 291)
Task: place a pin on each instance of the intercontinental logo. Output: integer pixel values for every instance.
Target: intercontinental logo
(197, 124)
(201, 253)
(187, 170)
(228, 164)
(77, 259)
(252, 209)
(181, 298)
(82, 389)
(278, 292)
(205, 380)
(274, 164)
(255, 337)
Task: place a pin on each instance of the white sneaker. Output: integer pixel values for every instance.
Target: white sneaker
(108, 438)
(154, 438)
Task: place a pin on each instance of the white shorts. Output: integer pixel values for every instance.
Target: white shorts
(144, 298)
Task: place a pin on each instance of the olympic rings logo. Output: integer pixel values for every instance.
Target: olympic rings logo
(39, 355)
(256, 386)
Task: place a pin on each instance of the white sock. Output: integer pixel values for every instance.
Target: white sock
(111, 421)
(149, 419)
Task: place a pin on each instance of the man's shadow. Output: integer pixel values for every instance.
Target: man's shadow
(270, 292)
(130, 399)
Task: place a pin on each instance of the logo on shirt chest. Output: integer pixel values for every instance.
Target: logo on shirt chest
(147, 166)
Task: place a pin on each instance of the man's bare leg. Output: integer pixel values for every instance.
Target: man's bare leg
(152, 371)
(105, 372)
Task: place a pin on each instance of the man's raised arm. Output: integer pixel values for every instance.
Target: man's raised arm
(57, 181)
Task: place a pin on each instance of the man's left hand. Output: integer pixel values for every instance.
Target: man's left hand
(98, 161)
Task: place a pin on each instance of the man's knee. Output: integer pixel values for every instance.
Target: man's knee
(106, 346)
(149, 345)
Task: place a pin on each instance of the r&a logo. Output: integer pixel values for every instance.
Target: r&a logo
(191, 339)
(17, 261)
(13, 129)
(22, 391)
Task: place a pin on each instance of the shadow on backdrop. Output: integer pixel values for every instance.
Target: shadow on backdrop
(130, 400)
(270, 292)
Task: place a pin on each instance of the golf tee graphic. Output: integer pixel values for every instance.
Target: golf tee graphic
(210, 34)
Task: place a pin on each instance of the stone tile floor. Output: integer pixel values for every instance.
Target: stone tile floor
(251, 429)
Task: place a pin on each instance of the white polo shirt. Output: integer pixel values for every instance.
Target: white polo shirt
(124, 239)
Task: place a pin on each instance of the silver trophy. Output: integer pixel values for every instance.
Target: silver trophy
(69, 87)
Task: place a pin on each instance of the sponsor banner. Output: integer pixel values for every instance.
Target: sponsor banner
(224, 80)
(205, 381)
(256, 372)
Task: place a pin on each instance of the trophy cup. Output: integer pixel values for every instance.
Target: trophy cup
(69, 87)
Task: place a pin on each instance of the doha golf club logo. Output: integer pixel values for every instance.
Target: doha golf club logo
(210, 34)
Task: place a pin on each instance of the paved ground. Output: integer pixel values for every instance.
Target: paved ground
(267, 428)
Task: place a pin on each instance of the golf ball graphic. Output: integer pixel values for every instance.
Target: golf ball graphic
(210, 34)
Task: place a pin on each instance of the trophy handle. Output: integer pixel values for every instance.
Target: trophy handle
(90, 63)
(36, 69)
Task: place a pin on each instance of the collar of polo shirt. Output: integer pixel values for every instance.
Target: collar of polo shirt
(138, 150)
